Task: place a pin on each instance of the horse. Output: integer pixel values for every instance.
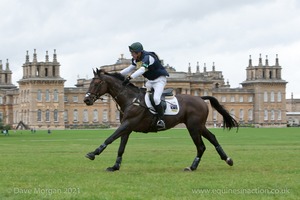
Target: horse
(133, 110)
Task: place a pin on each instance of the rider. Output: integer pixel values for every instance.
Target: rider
(148, 65)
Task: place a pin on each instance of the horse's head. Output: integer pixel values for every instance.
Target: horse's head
(97, 88)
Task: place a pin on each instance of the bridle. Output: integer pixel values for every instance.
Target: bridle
(94, 95)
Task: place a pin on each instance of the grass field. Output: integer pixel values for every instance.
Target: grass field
(53, 166)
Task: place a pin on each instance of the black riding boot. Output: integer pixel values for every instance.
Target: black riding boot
(160, 113)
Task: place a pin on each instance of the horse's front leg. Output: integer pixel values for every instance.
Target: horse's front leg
(117, 165)
(122, 130)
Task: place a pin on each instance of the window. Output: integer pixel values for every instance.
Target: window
(75, 98)
(25, 116)
(232, 113)
(105, 116)
(232, 99)
(24, 96)
(16, 117)
(241, 115)
(55, 95)
(95, 115)
(223, 99)
(265, 96)
(250, 99)
(279, 96)
(241, 99)
(1, 100)
(47, 96)
(85, 116)
(39, 95)
(250, 115)
(215, 114)
(27, 96)
(65, 98)
(272, 96)
(39, 115)
(75, 116)
(66, 115)
(272, 115)
(47, 116)
(1, 116)
(55, 115)
(266, 114)
(279, 115)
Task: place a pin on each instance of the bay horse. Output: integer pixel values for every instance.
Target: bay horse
(135, 116)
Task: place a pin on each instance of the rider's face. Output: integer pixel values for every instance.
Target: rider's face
(136, 55)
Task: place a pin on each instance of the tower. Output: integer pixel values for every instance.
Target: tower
(41, 93)
(7, 90)
(269, 92)
(5, 76)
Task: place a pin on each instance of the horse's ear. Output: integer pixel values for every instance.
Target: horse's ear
(95, 73)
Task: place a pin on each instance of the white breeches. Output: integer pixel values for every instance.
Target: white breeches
(158, 85)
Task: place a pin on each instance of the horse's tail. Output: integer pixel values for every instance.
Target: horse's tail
(228, 121)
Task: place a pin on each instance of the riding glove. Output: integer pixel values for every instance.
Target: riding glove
(126, 81)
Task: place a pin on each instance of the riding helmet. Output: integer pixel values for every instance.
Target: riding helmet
(136, 47)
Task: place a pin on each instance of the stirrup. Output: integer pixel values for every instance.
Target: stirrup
(160, 124)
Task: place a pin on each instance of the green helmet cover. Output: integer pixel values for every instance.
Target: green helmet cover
(136, 47)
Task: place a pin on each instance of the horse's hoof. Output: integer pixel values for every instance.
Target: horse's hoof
(90, 156)
(187, 169)
(112, 169)
(229, 161)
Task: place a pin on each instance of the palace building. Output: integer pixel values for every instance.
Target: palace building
(42, 102)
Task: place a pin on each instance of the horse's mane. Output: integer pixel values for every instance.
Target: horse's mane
(117, 76)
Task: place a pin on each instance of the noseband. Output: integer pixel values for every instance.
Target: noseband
(95, 95)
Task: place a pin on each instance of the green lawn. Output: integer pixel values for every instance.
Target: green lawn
(53, 166)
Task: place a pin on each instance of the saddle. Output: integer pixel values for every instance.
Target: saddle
(168, 100)
(166, 93)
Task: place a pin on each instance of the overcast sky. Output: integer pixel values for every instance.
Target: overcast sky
(91, 33)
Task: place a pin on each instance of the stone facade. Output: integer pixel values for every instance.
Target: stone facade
(42, 102)
(293, 111)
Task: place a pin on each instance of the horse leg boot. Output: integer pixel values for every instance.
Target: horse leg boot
(97, 151)
(194, 165)
(116, 166)
(160, 114)
(223, 155)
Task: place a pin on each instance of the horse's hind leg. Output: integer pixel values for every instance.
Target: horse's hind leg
(212, 139)
(195, 135)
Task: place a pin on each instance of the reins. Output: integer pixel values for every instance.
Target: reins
(95, 96)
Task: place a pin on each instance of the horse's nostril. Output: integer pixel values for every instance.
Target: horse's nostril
(86, 101)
